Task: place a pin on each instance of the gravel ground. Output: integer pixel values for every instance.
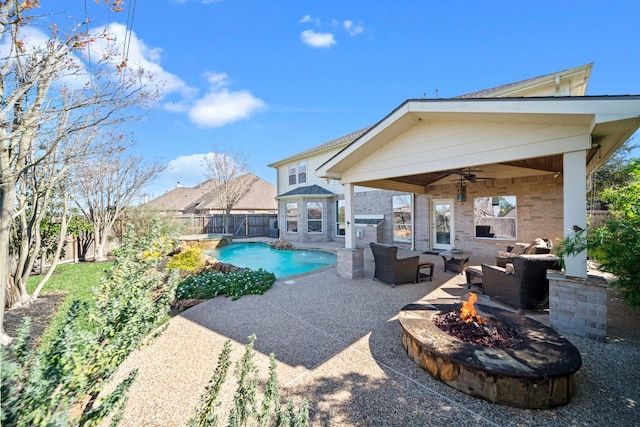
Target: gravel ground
(338, 344)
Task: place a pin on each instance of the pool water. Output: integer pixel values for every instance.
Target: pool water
(282, 263)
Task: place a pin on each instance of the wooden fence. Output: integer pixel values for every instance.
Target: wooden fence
(240, 225)
(596, 218)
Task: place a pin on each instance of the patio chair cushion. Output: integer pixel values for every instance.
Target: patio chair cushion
(538, 246)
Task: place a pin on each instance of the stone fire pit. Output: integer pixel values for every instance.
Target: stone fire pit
(536, 374)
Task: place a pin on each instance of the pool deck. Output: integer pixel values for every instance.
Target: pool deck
(338, 343)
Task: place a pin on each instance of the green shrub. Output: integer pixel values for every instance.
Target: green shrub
(189, 261)
(616, 243)
(210, 284)
(247, 410)
(63, 383)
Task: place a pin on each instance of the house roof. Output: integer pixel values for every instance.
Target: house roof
(573, 80)
(309, 190)
(261, 197)
(609, 120)
(333, 144)
(180, 199)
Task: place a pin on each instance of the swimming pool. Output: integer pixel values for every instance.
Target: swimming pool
(282, 263)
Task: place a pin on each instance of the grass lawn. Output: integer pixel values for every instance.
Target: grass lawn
(76, 281)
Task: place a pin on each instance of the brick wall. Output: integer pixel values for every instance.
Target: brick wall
(578, 306)
(539, 203)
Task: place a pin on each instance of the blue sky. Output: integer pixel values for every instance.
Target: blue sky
(271, 78)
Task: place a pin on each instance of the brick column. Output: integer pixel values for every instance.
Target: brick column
(350, 263)
(578, 306)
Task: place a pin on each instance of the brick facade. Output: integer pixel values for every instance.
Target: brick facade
(539, 204)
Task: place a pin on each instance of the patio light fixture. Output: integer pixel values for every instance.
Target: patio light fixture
(462, 191)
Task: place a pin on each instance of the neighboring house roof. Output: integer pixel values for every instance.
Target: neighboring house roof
(261, 197)
(309, 190)
(335, 143)
(181, 199)
(178, 199)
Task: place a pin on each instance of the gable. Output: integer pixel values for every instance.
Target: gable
(424, 136)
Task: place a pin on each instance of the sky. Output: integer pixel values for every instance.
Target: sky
(268, 79)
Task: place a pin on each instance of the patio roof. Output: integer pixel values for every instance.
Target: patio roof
(506, 137)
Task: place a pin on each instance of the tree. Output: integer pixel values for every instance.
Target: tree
(616, 243)
(54, 104)
(232, 177)
(612, 174)
(105, 188)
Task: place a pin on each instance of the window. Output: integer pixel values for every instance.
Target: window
(495, 217)
(340, 218)
(293, 174)
(292, 217)
(298, 173)
(302, 172)
(314, 217)
(402, 209)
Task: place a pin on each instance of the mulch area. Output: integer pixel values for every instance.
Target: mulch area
(41, 312)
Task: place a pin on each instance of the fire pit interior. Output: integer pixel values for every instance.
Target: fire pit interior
(522, 363)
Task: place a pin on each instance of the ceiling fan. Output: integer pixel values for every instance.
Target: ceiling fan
(469, 174)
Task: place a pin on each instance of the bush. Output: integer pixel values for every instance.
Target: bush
(189, 261)
(210, 284)
(63, 383)
(247, 410)
(616, 243)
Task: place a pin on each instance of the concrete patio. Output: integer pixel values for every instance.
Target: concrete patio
(338, 343)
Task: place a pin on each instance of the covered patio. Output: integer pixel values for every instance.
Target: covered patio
(541, 149)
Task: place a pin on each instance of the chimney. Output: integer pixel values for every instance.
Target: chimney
(178, 185)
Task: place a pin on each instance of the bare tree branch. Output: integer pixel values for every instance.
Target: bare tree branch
(232, 177)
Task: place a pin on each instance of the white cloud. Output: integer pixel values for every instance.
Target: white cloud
(314, 39)
(186, 170)
(139, 55)
(309, 19)
(353, 29)
(216, 108)
(219, 106)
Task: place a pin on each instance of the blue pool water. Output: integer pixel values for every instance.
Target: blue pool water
(282, 263)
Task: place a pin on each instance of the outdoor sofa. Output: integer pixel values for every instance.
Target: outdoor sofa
(538, 246)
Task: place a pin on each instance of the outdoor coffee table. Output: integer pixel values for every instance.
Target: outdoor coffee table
(455, 260)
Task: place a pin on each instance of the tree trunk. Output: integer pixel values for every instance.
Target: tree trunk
(97, 245)
(56, 255)
(6, 207)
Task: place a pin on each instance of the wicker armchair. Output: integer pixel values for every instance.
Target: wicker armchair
(392, 270)
(527, 287)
